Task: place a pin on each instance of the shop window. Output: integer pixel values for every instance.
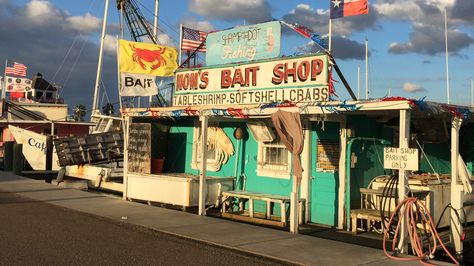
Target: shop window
(273, 158)
(327, 155)
(211, 155)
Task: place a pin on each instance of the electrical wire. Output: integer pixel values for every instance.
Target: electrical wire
(415, 212)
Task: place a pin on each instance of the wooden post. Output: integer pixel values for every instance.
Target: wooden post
(49, 153)
(403, 186)
(342, 173)
(294, 207)
(127, 122)
(202, 166)
(306, 180)
(456, 189)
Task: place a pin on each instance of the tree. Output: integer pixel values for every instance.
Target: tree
(108, 109)
(79, 112)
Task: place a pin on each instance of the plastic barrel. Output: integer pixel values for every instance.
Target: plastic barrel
(8, 155)
(18, 159)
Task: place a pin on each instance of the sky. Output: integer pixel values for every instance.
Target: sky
(406, 41)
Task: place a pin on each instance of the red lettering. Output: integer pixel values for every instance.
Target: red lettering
(180, 82)
(303, 71)
(204, 80)
(316, 68)
(290, 72)
(193, 80)
(238, 78)
(277, 74)
(226, 80)
(253, 71)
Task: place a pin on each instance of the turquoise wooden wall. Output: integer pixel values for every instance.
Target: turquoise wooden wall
(324, 185)
(369, 153)
(180, 156)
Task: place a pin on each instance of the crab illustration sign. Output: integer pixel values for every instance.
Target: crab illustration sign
(146, 58)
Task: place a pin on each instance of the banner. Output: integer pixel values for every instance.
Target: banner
(34, 147)
(17, 84)
(242, 44)
(137, 85)
(146, 58)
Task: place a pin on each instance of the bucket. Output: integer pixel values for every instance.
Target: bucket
(157, 165)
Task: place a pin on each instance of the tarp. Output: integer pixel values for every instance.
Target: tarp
(289, 129)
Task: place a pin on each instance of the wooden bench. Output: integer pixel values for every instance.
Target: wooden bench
(372, 213)
(269, 199)
(364, 214)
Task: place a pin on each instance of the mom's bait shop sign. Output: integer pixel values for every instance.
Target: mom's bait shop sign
(295, 79)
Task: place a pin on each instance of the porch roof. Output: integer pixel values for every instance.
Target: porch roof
(376, 107)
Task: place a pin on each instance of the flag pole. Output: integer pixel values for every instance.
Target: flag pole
(119, 79)
(4, 90)
(330, 35)
(446, 44)
(180, 43)
(366, 69)
(472, 93)
(358, 81)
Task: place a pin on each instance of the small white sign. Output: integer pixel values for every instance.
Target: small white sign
(400, 158)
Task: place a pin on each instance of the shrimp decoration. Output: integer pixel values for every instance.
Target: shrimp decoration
(218, 140)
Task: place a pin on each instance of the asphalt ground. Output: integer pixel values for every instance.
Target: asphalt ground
(38, 233)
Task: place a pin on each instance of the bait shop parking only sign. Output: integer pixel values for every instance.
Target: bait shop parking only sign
(400, 158)
(296, 79)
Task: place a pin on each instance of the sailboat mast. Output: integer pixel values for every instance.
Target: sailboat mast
(446, 44)
(366, 69)
(99, 65)
(358, 81)
(155, 33)
(472, 93)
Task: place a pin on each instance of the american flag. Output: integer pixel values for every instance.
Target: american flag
(15, 69)
(192, 39)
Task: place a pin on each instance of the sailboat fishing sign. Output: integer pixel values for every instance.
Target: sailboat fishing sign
(297, 79)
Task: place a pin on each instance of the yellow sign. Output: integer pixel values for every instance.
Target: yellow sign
(147, 58)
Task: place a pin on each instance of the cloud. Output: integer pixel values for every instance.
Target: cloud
(317, 20)
(86, 23)
(427, 22)
(462, 11)
(412, 88)
(110, 44)
(430, 40)
(342, 48)
(254, 11)
(197, 25)
(57, 47)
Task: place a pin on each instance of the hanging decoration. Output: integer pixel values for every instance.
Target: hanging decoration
(456, 111)
(217, 140)
(280, 104)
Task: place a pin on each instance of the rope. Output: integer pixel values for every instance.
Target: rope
(415, 212)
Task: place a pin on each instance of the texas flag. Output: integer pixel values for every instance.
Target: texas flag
(345, 8)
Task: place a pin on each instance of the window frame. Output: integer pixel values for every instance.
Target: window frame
(212, 164)
(263, 170)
